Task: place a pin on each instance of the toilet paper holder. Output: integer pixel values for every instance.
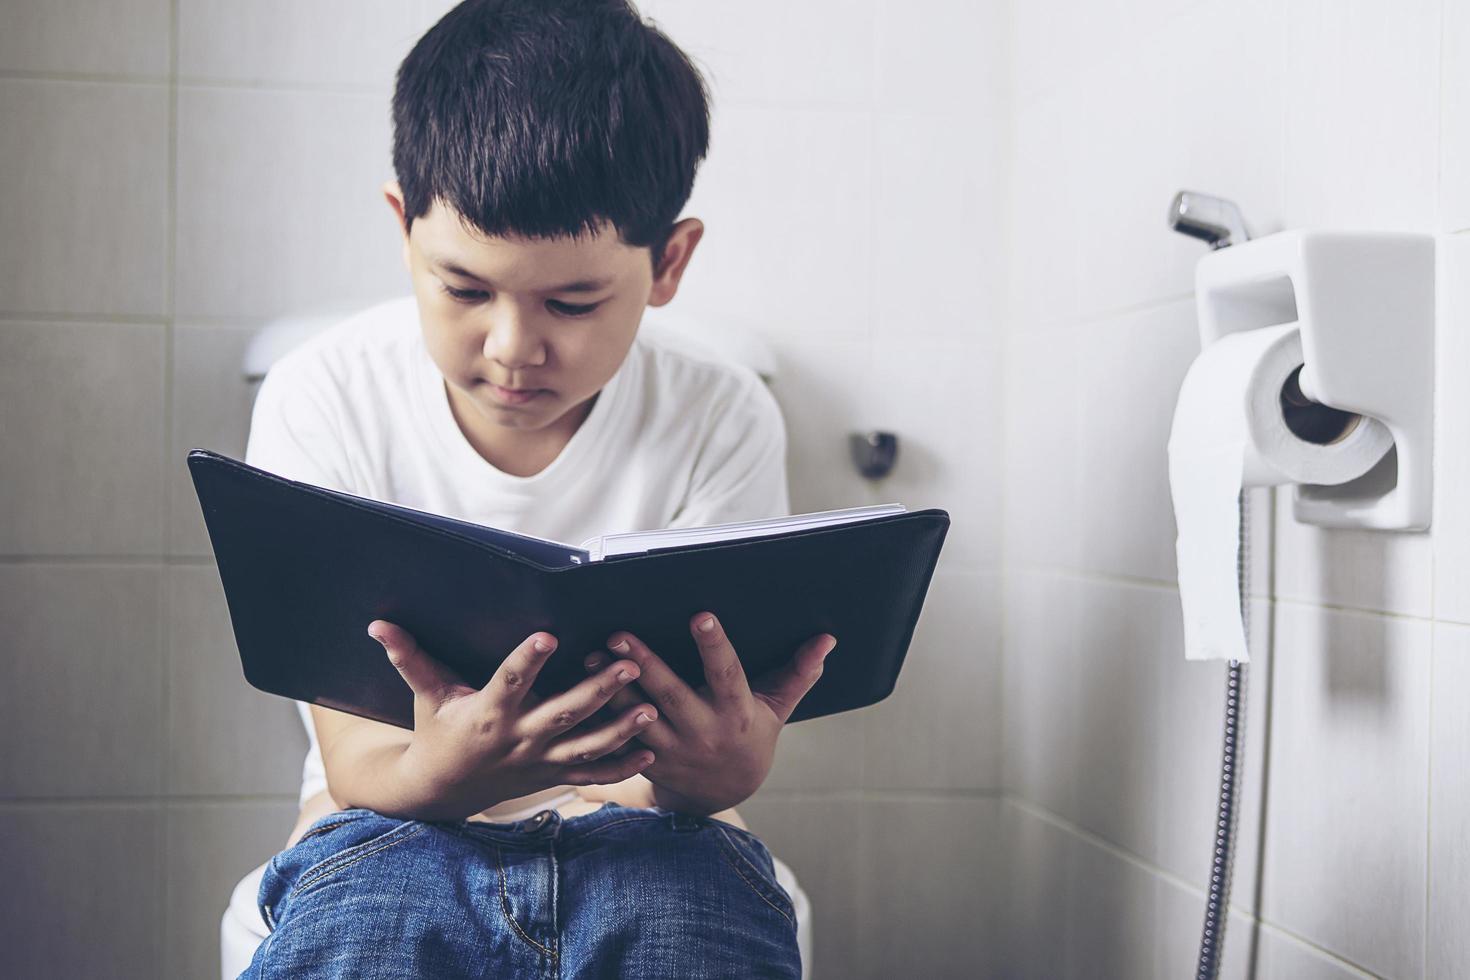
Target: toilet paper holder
(1364, 302)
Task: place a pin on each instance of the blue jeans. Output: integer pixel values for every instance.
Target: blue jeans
(619, 892)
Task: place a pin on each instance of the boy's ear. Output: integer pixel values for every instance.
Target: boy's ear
(682, 241)
(394, 195)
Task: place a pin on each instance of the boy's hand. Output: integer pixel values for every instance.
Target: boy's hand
(473, 748)
(714, 746)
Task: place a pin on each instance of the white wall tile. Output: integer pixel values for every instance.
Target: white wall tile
(940, 729)
(1041, 650)
(928, 911)
(1042, 451)
(1454, 160)
(1362, 121)
(882, 905)
(819, 755)
(1033, 915)
(1345, 824)
(1111, 905)
(945, 57)
(746, 58)
(83, 697)
(1449, 806)
(1131, 368)
(822, 405)
(1451, 527)
(121, 37)
(937, 259)
(280, 42)
(942, 401)
(211, 410)
(785, 197)
(86, 210)
(1372, 570)
(279, 203)
(1043, 242)
(224, 736)
(1171, 121)
(85, 887)
(208, 848)
(818, 838)
(82, 435)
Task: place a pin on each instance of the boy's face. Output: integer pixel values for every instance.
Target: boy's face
(525, 331)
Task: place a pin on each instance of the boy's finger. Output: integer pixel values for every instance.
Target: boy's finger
(677, 702)
(585, 747)
(722, 667)
(784, 687)
(508, 686)
(604, 771)
(425, 676)
(658, 735)
(559, 714)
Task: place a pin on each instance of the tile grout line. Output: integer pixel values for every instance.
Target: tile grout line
(165, 714)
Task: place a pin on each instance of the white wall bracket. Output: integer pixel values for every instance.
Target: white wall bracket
(1365, 305)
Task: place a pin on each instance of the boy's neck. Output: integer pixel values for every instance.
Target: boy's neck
(512, 451)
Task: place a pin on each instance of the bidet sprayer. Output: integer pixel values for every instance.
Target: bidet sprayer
(1211, 219)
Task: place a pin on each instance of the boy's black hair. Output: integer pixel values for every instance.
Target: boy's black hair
(545, 118)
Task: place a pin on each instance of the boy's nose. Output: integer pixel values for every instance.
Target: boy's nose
(511, 343)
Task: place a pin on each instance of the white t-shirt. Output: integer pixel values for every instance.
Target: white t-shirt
(675, 439)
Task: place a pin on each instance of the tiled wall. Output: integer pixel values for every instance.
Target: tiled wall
(176, 171)
(1353, 856)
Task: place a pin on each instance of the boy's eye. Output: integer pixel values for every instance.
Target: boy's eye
(568, 309)
(465, 295)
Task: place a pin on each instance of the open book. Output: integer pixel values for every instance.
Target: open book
(559, 554)
(306, 568)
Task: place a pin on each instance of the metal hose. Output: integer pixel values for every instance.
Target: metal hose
(1217, 901)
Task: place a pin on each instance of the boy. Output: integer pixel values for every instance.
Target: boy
(543, 149)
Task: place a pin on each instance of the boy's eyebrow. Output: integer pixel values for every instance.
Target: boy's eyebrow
(580, 286)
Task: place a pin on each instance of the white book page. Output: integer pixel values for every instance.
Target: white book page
(633, 542)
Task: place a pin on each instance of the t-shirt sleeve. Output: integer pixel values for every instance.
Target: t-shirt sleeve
(740, 472)
(296, 431)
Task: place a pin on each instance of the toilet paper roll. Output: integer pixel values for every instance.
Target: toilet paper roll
(1231, 432)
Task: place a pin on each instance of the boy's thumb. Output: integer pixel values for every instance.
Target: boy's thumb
(427, 677)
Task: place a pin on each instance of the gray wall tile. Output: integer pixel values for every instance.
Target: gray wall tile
(82, 406)
(941, 727)
(280, 207)
(211, 410)
(86, 215)
(84, 886)
(208, 848)
(284, 42)
(224, 736)
(126, 37)
(83, 696)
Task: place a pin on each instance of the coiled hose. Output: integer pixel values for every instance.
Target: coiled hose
(1217, 901)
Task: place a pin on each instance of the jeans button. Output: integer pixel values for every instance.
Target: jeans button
(539, 819)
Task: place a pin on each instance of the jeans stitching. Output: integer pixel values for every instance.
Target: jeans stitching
(337, 863)
(323, 829)
(758, 889)
(615, 823)
(509, 916)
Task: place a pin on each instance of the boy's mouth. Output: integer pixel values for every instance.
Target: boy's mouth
(513, 396)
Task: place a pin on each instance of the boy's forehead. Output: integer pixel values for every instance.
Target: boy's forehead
(451, 243)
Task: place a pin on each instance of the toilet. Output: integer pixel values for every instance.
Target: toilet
(241, 927)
